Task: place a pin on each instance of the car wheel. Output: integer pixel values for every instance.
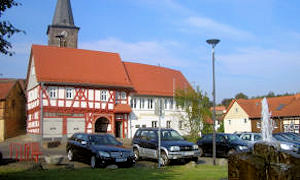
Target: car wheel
(230, 152)
(70, 155)
(164, 160)
(136, 154)
(93, 162)
(201, 151)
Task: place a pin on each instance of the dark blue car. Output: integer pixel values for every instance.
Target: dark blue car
(173, 146)
(99, 150)
(226, 144)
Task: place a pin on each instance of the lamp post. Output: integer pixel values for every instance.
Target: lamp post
(213, 43)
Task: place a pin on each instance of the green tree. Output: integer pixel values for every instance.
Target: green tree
(7, 30)
(241, 96)
(196, 104)
(226, 102)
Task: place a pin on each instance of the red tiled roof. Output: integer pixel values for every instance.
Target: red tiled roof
(155, 80)
(278, 106)
(5, 87)
(67, 65)
(219, 108)
(122, 108)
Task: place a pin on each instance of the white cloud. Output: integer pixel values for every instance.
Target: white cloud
(149, 52)
(210, 26)
(264, 63)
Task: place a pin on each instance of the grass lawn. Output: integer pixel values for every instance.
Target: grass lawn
(171, 172)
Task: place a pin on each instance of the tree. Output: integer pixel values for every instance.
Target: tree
(196, 105)
(226, 102)
(7, 30)
(241, 96)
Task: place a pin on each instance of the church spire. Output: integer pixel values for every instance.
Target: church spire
(63, 32)
(63, 14)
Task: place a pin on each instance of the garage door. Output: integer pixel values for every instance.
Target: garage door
(75, 125)
(52, 127)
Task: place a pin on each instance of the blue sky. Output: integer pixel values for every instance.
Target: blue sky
(259, 49)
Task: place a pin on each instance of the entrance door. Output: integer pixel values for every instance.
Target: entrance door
(118, 129)
(101, 125)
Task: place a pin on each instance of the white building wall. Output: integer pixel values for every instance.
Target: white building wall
(143, 117)
(237, 120)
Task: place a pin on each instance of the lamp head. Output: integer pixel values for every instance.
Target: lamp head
(213, 42)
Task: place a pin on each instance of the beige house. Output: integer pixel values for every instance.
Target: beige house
(245, 115)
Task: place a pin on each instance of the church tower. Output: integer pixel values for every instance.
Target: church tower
(63, 32)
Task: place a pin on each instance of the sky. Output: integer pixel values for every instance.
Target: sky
(259, 49)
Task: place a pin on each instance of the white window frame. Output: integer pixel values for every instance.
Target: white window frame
(142, 103)
(229, 121)
(258, 125)
(154, 124)
(52, 92)
(103, 95)
(69, 93)
(150, 103)
(168, 124)
(133, 103)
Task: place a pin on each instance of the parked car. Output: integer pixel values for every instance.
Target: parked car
(226, 144)
(287, 144)
(99, 150)
(251, 138)
(173, 146)
(291, 136)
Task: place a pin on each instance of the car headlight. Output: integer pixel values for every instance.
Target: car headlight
(243, 148)
(174, 148)
(195, 147)
(104, 154)
(286, 146)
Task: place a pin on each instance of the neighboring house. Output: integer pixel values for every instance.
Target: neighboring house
(12, 108)
(154, 83)
(220, 112)
(73, 90)
(245, 115)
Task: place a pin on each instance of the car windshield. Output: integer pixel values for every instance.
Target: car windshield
(170, 135)
(104, 140)
(231, 137)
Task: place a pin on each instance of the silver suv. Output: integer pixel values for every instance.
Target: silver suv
(250, 137)
(173, 146)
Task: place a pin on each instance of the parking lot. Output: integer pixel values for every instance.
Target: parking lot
(61, 150)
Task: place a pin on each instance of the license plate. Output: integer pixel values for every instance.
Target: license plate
(188, 153)
(121, 159)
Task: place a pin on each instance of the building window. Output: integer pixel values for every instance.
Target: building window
(137, 126)
(142, 103)
(236, 110)
(245, 120)
(103, 95)
(171, 103)
(168, 124)
(258, 125)
(52, 92)
(275, 125)
(166, 103)
(144, 125)
(154, 124)
(150, 103)
(123, 95)
(69, 93)
(133, 103)
(229, 122)
(180, 124)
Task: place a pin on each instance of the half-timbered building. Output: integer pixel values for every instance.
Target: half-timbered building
(72, 90)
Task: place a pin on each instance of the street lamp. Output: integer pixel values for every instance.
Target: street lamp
(213, 43)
